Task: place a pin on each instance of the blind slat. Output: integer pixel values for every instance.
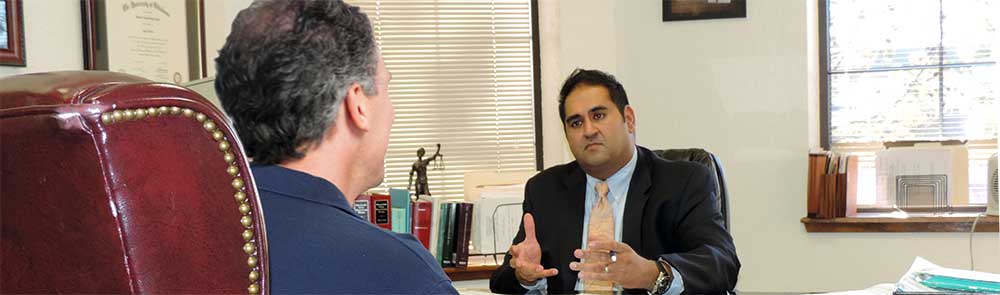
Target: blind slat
(463, 77)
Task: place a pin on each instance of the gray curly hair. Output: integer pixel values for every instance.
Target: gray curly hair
(285, 69)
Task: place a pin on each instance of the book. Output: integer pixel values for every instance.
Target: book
(449, 235)
(463, 233)
(828, 206)
(380, 214)
(421, 221)
(817, 166)
(362, 206)
(400, 210)
(436, 202)
(442, 224)
(421, 224)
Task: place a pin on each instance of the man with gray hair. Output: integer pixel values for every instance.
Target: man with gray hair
(308, 93)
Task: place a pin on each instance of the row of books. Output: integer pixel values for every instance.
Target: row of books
(833, 185)
(443, 227)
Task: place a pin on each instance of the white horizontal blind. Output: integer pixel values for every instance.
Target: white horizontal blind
(461, 76)
(913, 70)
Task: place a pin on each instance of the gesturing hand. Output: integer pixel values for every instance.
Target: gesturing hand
(526, 256)
(628, 269)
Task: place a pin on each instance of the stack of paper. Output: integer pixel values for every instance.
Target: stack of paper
(924, 277)
(497, 218)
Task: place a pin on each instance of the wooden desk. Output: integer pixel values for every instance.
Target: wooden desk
(475, 272)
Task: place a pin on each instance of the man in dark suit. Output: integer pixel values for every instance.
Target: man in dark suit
(668, 232)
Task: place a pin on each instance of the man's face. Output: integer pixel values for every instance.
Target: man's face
(383, 114)
(599, 137)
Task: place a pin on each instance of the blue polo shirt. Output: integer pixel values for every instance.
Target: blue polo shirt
(317, 244)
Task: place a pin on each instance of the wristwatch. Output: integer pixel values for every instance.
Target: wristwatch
(663, 281)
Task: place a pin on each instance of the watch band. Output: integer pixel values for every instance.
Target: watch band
(662, 283)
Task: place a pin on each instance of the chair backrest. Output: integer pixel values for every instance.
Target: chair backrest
(712, 162)
(114, 184)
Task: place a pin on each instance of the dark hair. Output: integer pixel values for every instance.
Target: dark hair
(285, 69)
(593, 78)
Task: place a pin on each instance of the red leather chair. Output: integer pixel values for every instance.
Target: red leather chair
(113, 184)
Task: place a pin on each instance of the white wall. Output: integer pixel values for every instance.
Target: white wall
(746, 89)
(53, 37)
(219, 17)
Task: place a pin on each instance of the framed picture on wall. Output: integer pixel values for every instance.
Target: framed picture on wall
(675, 10)
(158, 40)
(11, 33)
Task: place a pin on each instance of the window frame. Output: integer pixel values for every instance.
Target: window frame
(876, 222)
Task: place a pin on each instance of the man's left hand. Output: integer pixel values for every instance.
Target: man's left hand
(628, 269)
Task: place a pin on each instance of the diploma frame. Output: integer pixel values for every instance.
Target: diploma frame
(95, 36)
(13, 53)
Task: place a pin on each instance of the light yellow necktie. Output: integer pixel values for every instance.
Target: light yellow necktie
(601, 226)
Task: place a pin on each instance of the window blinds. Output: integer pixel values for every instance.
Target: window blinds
(912, 70)
(462, 77)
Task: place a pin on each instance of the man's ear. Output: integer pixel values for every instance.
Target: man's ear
(630, 119)
(356, 106)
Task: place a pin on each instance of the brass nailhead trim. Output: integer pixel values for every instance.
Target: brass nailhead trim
(250, 248)
(240, 197)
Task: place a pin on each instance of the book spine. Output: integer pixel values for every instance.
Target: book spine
(382, 214)
(463, 232)
(421, 224)
(449, 235)
(362, 206)
(442, 224)
(815, 186)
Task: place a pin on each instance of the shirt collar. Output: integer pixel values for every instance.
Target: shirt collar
(298, 184)
(618, 181)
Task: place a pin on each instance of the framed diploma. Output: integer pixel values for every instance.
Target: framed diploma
(160, 40)
(11, 33)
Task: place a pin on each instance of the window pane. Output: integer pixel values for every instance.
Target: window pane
(871, 34)
(969, 26)
(885, 106)
(970, 110)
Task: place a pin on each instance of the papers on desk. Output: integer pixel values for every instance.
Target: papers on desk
(497, 218)
(925, 277)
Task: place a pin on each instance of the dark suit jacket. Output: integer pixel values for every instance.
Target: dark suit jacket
(670, 212)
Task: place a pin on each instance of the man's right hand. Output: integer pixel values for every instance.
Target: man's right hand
(526, 256)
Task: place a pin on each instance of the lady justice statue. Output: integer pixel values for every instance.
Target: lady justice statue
(420, 168)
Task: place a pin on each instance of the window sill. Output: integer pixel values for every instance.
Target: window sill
(911, 224)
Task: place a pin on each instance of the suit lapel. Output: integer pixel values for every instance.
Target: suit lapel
(575, 198)
(576, 184)
(635, 203)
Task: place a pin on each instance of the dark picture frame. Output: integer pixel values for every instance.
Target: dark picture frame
(680, 10)
(12, 50)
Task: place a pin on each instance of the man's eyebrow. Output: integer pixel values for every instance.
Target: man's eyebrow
(598, 108)
(573, 117)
